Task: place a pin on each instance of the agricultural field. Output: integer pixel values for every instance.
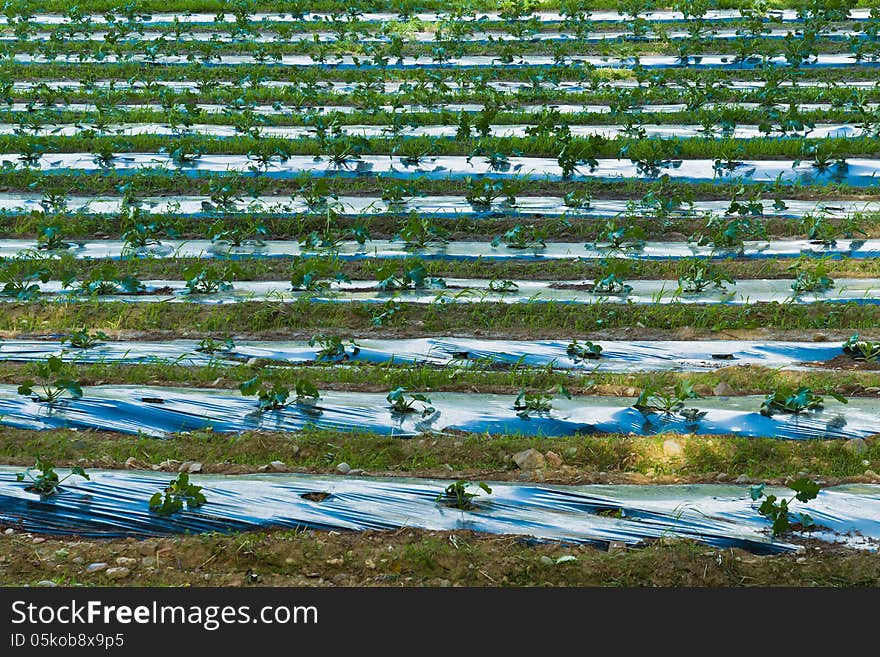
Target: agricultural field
(412, 293)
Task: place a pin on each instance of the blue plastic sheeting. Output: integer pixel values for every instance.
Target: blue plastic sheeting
(617, 356)
(504, 86)
(456, 250)
(114, 504)
(489, 36)
(671, 131)
(346, 62)
(858, 172)
(528, 207)
(863, 291)
(713, 15)
(12, 112)
(157, 411)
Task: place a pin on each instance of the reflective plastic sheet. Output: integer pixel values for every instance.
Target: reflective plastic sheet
(865, 291)
(858, 172)
(532, 207)
(617, 356)
(157, 411)
(456, 250)
(114, 504)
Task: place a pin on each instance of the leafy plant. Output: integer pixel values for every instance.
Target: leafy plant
(143, 235)
(238, 235)
(777, 509)
(47, 482)
(315, 274)
(409, 275)
(211, 346)
(503, 286)
(458, 496)
(656, 399)
(614, 236)
(583, 351)
(21, 278)
(82, 339)
(701, 275)
(419, 232)
(527, 403)
(523, 236)
(812, 276)
(862, 349)
(386, 312)
(50, 239)
(52, 383)
(107, 279)
(210, 278)
(730, 233)
(178, 492)
(332, 348)
(788, 400)
(403, 402)
(481, 193)
(274, 396)
(821, 228)
(613, 281)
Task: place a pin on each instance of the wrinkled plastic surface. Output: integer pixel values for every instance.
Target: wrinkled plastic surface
(456, 250)
(114, 504)
(659, 62)
(820, 131)
(777, 15)
(505, 86)
(858, 172)
(10, 112)
(489, 36)
(158, 411)
(617, 356)
(865, 291)
(531, 207)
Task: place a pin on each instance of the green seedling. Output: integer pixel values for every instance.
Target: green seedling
(21, 278)
(403, 403)
(811, 276)
(50, 239)
(178, 493)
(106, 279)
(527, 403)
(655, 399)
(211, 346)
(458, 496)
(273, 396)
(46, 482)
(701, 275)
(788, 400)
(523, 237)
(333, 349)
(777, 510)
(861, 349)
(82, 339)
(210, 278)
(52, 384)
(503, 287)
(315, 274)
(583, 351)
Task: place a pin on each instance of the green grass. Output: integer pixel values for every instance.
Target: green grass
(174, 183)
(771, 148)
(418, 558)
(744, 380)
(279, 269)
(532, 320)
(585, 458)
